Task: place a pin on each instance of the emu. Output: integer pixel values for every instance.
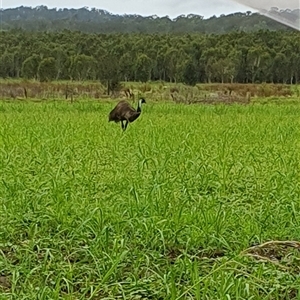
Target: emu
(123, 111)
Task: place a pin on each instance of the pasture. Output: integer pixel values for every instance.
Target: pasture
(161, 211)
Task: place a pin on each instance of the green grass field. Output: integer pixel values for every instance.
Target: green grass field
(162, 211)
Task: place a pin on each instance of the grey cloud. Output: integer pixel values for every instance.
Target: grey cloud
(171, 8)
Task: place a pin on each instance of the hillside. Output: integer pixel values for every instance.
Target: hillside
(41, 18)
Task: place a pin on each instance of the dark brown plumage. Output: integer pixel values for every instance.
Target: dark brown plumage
(123, 111)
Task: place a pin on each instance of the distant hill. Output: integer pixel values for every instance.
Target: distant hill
(41, 18)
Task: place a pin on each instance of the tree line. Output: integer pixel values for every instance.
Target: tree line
(95, 20)
(237, 57)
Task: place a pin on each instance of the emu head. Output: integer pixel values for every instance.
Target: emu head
(142, 100)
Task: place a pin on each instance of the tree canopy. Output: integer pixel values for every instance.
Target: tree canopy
(41, 18)
(241, 57)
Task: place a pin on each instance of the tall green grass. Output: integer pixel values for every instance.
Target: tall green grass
(161, 211)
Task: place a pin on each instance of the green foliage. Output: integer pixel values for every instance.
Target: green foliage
(237, 57)
(126, 66)
(190, 73)
(6, 64)
(83, 67)
(143, 67)
(46, 69)
(161, 211)
(99, 21)
(30, 66)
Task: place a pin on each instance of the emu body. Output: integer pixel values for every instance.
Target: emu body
(123, 111)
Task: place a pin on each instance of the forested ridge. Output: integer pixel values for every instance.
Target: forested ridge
(82, 44)
(240, 57)
(41, 18)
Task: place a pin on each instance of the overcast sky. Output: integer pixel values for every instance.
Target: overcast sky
(266, 4)
(172, 8)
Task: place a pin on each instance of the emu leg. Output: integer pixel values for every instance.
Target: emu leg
(125, 125)
(122, 125)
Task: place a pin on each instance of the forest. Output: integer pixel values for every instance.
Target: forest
(234, 57)
(42, 18)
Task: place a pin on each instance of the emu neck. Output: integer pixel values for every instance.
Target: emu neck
(139, 108)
